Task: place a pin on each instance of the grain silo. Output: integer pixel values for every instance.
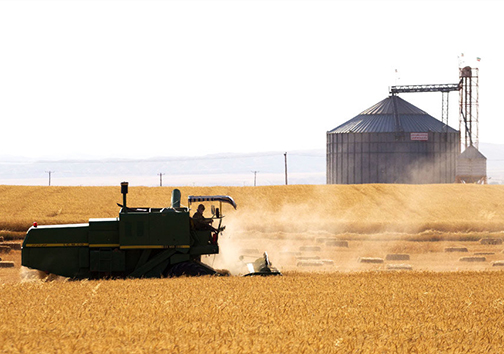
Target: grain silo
(392, 142)
(471, 166)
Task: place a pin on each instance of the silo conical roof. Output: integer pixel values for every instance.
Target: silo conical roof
(472, 153)
(381, 118)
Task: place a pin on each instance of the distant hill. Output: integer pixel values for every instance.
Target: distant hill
(227, 169)
(267, 168)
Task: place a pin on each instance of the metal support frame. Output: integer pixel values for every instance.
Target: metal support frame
(425, 88)
(469, 107)
(445, 104)
(445, 89)
(398, 127)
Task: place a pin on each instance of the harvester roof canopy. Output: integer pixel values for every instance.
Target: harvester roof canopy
(212, 198)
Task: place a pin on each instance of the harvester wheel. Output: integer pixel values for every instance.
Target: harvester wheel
(190, 269)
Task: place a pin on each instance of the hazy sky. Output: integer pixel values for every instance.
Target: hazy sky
(171, 78)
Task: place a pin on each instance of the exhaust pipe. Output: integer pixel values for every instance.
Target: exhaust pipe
(124, 191)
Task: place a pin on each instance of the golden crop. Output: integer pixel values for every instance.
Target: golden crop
(406, 312)
(296, 208)
(368, 310)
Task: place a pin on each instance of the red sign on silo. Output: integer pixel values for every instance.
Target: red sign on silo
(420, 136)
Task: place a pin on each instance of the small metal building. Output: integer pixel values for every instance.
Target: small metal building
(392, 142)
(471, 166)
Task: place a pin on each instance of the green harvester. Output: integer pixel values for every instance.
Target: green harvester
(140, 243)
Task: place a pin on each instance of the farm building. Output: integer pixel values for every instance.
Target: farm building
(392, 142)
(471, 166)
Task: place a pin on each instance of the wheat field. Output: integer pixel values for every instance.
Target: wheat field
(441, 305)
(297, 208)
(367, 312)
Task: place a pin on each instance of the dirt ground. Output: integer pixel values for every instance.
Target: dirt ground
(326, 255)
(322, 254)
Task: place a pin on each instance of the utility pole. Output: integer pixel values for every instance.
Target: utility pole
(50, 172)
(160, 179)
(285, 155)
(255, 177)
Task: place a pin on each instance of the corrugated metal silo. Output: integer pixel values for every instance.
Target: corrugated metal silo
(392, 142)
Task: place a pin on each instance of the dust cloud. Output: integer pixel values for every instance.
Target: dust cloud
(375, 221)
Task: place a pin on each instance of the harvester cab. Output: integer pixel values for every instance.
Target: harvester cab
(216, 211)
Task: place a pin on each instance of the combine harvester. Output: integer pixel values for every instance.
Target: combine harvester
(140, 243)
